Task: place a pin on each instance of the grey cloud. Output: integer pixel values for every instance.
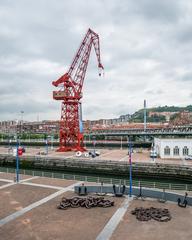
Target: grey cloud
(185, 34)
(187, 77)
(163, 11)
(113, 109)
(30, 107)
(154, 92)
(160, 91)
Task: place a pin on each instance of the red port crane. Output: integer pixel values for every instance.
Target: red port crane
(70, 93)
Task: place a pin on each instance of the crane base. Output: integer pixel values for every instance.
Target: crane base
(70, 149)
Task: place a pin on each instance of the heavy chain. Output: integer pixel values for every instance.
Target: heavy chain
(87, 202)
(146, 214)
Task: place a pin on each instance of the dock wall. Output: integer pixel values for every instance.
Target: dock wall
(93, 166)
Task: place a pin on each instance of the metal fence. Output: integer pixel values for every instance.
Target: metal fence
(104, 180)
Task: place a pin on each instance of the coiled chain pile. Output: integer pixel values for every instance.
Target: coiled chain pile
(87, 202)
(146, 214)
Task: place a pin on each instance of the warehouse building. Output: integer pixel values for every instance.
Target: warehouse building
(176, 148)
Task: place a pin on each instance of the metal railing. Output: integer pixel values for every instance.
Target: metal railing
(104, 180)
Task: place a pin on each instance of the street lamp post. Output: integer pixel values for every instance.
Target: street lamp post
(9, 143)
(46, 146)
(130, 169)
(52, 138)
(85, 138)
(94, 143)
(17, 162)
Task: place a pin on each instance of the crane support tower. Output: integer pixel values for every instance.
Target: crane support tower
(70, 93)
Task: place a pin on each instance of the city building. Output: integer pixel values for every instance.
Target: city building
(20, 127)
(49, 127)
(8, 127)
(104, 123)
(173, 148)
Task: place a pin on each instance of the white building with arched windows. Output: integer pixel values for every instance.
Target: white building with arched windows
(173, 147)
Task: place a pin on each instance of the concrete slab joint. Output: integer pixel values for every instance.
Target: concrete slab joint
(112, 224)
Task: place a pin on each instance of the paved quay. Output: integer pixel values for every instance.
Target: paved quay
(139, 155)
(29, 211)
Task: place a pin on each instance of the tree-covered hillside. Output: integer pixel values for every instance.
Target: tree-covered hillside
(138, 116)
(171, 109)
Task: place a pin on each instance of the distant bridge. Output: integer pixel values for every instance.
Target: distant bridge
(169, 131)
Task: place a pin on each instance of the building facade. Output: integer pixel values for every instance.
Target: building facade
(173, 148)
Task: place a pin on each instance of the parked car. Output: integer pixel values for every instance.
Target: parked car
(153, 154)
(189, 157)
(23, 149)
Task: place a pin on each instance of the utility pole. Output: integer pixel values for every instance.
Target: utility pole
(145, 116)
(21, 133)
(145, 119)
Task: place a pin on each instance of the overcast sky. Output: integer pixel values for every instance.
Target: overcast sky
(146, 49)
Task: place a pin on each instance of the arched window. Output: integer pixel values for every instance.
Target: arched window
(167, 150)
(176, 151)
(185, 151)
